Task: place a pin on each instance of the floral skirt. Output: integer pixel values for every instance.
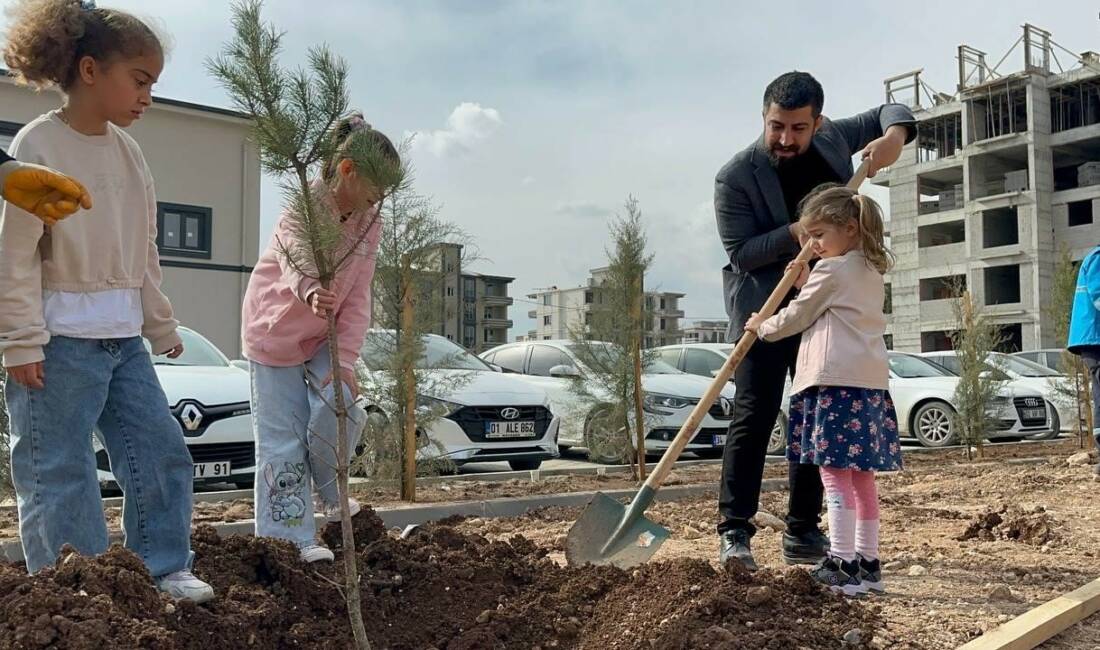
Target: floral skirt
(846, 428)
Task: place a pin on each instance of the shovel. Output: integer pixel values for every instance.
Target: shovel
(608, 532)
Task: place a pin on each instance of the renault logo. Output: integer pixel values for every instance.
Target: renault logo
(191, 417)
(727, 407)
(509, 413)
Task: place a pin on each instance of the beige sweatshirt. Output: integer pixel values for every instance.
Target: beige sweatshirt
(112, 246)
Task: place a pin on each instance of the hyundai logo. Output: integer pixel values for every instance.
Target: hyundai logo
(509, 413)
(191, 417)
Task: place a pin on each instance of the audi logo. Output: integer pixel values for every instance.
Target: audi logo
(1031, 401)
(509, 413)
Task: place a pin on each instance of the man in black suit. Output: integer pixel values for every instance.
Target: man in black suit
(756, 198)
(39, 190)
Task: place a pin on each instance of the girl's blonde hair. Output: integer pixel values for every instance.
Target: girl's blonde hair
(48, 38)
(839, 205)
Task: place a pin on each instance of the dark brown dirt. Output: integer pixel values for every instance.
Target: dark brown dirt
(438, 589)
(1009, 523)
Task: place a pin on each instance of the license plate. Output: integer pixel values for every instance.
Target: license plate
(519, 429)
(219, 469)
(719, 439)
(1034, 414)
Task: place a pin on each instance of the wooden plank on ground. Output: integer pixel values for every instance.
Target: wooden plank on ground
(1034, 626)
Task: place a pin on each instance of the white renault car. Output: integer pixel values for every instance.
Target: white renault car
(482, 415)
(210, 399)
(704, 360)
(669, 396)
(1023, 373)
(924, 392)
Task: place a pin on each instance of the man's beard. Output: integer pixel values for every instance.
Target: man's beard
(780, 163)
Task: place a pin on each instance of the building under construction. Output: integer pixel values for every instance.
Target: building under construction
(1002, 175)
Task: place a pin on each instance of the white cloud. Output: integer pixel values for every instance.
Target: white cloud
(582, 210)
(527, 180)
(468, 124)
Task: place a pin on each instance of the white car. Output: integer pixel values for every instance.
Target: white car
(923, 392)
(482, 414)
(210, 399)
(1049, 357)
(1024, 373)
(704, 360)
(669, 396)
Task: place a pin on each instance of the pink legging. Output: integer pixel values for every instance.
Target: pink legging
(856, 489)
(853, 512)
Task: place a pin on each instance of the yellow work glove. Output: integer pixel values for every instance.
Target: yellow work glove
(49, 195)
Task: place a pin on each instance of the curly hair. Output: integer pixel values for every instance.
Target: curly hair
(47, 39)
(839, 205)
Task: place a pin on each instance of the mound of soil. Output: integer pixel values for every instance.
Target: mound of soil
(1034, 527)
(437, 589)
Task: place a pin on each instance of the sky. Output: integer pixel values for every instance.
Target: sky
(534, 121)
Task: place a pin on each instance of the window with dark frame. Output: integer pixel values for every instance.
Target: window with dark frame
(184, 230)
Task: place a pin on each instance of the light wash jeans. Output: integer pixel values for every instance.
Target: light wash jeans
(109, 384)
(296, 435)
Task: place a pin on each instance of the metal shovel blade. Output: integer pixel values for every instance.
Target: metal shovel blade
(608, 532)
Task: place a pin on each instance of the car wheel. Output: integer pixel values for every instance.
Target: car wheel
(934, 424)
(524, 465)
(603, 438)
(1055, 428)
(777, 443)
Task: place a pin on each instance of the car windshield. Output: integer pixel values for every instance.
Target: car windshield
(908, 367)
(1023, 366)
(654, 367)
(439, 353)
(197, 351)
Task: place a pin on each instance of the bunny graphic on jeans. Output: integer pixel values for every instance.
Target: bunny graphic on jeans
(285, 492)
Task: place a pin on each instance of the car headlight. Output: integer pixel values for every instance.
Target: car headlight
(655, 402)
(439, 408)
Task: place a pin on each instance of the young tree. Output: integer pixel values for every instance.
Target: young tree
(1075, 390)
(609, 345)
(975, 336)
(293, 113)
(409, 384)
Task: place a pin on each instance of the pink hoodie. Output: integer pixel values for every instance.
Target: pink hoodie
(278, 326)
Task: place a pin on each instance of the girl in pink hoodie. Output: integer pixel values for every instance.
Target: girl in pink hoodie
(284, 336)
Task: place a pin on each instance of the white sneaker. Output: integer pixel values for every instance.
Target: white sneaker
(332, 512)
(183, 585)
(315, 553)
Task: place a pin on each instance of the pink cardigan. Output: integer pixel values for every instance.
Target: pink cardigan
(839, 312)
(278, 326)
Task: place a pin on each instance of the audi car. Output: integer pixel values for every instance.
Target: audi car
(210, 398)
(469, 411)
(669, 397)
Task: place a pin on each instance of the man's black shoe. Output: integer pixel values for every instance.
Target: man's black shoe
(734, 546)
(806, 548)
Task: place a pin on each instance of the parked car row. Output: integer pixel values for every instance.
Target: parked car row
(517, 402)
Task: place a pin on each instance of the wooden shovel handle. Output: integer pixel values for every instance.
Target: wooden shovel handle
(691, 425)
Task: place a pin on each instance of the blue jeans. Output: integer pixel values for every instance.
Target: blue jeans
(109, 386)
(296, 436)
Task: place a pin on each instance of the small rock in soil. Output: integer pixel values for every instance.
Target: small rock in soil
(758, 595)
(1002, 592)
(917, 570)
(765, 519)
(853, 636)
(1079, 459)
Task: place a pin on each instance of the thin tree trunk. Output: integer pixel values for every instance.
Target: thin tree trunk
(639, 416)
(408, 472)
(351, 564)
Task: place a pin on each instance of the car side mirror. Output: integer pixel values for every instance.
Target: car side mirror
(240, 363)
(564, 372)
(495, 367)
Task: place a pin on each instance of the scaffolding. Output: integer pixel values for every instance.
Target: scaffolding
(999, 108)
(939, 137)
(1075, 105)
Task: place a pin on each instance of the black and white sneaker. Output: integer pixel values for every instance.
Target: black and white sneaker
(840, 576)
(870, 574)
